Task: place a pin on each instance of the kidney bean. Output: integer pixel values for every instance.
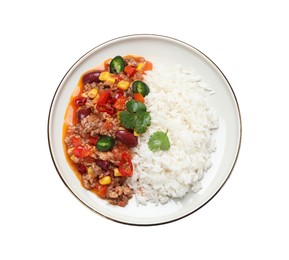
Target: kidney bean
(82, 113)
(90, 77)
(103, 164)
(126, 137)
(81, 168)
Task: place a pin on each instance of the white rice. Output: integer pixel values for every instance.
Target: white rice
(177, 102)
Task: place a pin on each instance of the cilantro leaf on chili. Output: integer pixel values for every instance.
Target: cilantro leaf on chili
(143, 121)
(136, 117)
(134, 106)
(159, 141)
(127, 119)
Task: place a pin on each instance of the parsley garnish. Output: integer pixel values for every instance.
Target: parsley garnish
(159, 141)
(136, 117)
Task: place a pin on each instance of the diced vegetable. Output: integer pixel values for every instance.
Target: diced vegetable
(92, 93)
(120, 103)
(116, 172)
(140, 87)
(116, 65)
(81, 152)
(123, 84)
(105, 143)
(125, 166)
(104, 76)
(129, 70)
(105, 180)
(103, 98)
(80, 101)
(138, 97)
(140, 66)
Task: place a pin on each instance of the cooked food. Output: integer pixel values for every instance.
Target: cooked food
(175, 151)
(103, 120)
(134, 129)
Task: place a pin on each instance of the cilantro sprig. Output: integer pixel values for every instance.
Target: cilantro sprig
(159, 141)
(135, 117)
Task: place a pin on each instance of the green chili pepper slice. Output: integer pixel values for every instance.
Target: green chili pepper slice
(105, 143)
(117, 65)
(140, 87)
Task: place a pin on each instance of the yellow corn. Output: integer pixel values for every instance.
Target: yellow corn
(123, 84)
(135, 133)
(73, 158)
(90, 171)
(110, 80)
(104, 75)
(139, 66)
(118, 115)
(96, 98)
(92, 93)
(116, 172)
(69, 151)
(105, 180)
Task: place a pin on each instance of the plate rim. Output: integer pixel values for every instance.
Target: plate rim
(163, 37)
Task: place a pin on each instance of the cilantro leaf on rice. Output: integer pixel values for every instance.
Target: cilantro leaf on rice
(159, 141)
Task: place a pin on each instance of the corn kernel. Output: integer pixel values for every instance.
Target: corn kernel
(73, 158)
(110, 80)
(139, 66)
(92, 93)
(104, 75)
(84, 94)
(90, 171)
(105, 180)
(135, 133)
(116, 172)
(118, 115)
(96, 98)
(69, 151)
(123, 84)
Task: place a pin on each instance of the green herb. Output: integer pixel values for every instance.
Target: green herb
(136, 117)
(134, 106)
(159, 141)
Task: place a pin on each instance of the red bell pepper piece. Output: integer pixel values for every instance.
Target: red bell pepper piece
(129, 70)
(80, 101)
(104, 96)
(119, 103)
(75, 141)
(81, 152)
(106, 108)
(125, 166)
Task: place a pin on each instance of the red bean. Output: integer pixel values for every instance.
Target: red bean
(82, 113)
(103, 164)
(90, 77)
(126, 137)
(81, 168)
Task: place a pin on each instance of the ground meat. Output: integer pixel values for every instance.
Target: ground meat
(91, 123)
(131, 62)
(89, 181)
(106, 156)
(119, 192)
(96, 169)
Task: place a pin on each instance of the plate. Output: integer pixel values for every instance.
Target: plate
(228, 136)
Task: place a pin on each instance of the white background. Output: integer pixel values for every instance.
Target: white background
(41, 219)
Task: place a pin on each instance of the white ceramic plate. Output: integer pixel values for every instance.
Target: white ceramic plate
(228, 136)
